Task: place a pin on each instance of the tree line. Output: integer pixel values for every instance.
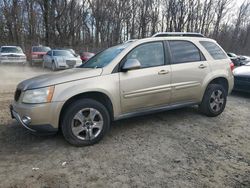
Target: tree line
(98, 24)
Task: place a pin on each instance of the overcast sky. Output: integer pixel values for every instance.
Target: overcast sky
(239, 2)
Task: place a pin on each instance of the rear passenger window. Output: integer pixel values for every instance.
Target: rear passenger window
(214, 50)
(184, 52)
(149, 55)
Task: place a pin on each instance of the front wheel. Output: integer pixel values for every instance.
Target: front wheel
(85, 122)
(214, 100)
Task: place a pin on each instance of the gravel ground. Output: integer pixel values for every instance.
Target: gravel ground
(179, 148)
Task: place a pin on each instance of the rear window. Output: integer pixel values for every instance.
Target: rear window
(40, 49)
(214, 50)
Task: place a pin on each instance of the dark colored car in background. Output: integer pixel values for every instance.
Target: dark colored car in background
(85, 56)
(244, 59)
(238, 60)
(242, 78)
(37, 53)
(235, 59)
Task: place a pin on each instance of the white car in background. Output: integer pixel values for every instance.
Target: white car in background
(12, 54)
(60, 59)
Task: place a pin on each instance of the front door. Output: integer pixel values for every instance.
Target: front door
(148, 86)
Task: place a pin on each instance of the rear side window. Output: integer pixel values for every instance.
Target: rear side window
(184, 52)
(214, 50)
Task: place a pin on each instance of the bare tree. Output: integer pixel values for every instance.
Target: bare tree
(97, 24)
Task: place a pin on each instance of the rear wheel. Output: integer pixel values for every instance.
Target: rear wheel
(85, 122)
(214, 100)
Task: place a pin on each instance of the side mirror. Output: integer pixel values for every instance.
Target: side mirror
(131, 64)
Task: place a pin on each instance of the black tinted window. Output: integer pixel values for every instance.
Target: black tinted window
(184, 51)
(149, 55)
(49, 53)
(214, 50)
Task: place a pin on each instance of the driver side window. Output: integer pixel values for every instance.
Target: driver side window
(149, 55)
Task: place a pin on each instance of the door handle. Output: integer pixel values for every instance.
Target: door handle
(161, 72)
(202, 66)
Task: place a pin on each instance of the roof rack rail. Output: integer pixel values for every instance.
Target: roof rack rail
(129, 41)
(173, 34)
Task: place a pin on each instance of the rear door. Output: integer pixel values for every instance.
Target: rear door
(189, 69)
(148, 86)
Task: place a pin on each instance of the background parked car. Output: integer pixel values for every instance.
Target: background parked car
(37, 53)
(85, 56)
(239, 60)
(242, 78)
(12, 54)
(244, 59)
(60, 59)
(235, 59)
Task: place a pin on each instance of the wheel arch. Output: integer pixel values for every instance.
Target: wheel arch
(221, 81)
(95, 95)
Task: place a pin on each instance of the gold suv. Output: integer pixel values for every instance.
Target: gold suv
(135, 78)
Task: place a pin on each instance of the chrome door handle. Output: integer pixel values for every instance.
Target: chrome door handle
(202, 66)
(163, 72)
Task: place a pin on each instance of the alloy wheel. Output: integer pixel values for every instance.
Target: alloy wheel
(87, 124)
(217, 100)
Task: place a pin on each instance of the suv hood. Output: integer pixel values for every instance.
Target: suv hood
(58, 78)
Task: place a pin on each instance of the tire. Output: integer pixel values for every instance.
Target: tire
(214, 100)
(79, 128)
(53, 66)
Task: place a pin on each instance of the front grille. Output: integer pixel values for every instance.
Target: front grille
(18, 94)
(71, 63)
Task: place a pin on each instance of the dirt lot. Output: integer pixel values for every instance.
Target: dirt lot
(179, 148)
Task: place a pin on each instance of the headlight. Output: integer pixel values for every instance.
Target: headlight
(42, 95)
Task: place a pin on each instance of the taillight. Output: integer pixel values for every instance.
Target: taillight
(232, 66)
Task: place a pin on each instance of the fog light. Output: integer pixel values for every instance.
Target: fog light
(26, 120)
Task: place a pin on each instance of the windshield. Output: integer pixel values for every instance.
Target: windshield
(40, 49)
(11, 50)
(62, 53)
(103, 58)
(71, 51)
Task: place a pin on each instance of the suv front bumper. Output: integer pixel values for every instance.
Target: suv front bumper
(38, 118)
